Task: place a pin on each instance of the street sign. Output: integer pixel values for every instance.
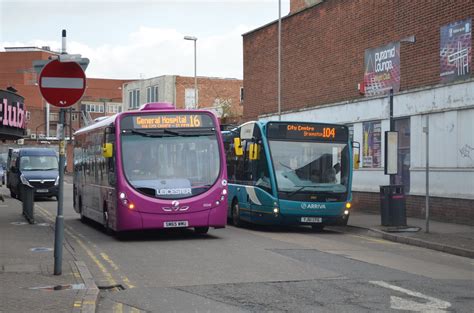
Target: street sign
(62, 84)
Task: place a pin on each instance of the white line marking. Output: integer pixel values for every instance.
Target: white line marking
(433, 305)
(62, 82)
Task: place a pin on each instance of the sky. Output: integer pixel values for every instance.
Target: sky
(126, 39)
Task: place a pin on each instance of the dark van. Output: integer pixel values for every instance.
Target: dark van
(35, 167)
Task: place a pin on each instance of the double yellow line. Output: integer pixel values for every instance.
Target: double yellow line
(99, 261)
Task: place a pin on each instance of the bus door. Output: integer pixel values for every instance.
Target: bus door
(109, 153)
(259, 192)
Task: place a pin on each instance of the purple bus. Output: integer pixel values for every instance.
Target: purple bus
(152, 168)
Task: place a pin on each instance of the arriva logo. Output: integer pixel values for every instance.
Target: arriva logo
(305, 206)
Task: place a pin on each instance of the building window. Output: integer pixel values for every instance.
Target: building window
(152, 94)
(241, 94)
(53, 117)
(372, 149)
(189, 99)
(28, 115)
(74, 116)
(134, 99)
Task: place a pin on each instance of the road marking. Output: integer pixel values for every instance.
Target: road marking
(433, 305)
(89, 252)
(118, 308)
(374, 240)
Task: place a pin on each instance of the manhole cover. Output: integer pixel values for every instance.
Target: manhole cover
(41, 249)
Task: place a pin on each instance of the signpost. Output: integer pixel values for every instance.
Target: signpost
(62, 82)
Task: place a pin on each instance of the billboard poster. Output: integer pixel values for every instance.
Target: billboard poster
(455, 51)
(382, 69)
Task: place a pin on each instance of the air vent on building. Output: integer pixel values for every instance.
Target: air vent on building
(33, 136)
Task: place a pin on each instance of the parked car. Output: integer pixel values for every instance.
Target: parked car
(34, 167)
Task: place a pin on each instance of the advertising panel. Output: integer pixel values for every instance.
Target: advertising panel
(455, 51)
(12, 115)
(382, 69)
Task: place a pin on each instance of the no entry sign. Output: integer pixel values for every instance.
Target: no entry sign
(62, 84)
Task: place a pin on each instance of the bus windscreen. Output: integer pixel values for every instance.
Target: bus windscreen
(307, 131)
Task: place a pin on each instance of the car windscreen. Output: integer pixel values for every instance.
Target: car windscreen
(38, 163)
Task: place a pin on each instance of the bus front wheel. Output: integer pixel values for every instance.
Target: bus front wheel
(201, 230)
(236, 214)
(317, 227)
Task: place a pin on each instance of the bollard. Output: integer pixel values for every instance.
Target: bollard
(28, 199)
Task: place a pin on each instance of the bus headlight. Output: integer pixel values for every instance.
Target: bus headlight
(122, 196)
(348, 205)
(275, 211)
(56, 182)
(224, 192)
(346, 212)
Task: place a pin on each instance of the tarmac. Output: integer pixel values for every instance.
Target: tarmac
(28, 283)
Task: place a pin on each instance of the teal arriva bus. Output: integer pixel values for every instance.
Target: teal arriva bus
(289, 173)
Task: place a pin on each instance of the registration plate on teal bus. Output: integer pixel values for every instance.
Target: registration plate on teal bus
(311, 220)
(176, 224)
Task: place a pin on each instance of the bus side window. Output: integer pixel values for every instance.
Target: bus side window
(110, 162)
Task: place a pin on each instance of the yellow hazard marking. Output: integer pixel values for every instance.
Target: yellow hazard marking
(118, 308)
(77, 304)
(109, 277)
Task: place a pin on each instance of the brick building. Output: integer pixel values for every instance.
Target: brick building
(223, 96)
(16, 70)
(325, 45)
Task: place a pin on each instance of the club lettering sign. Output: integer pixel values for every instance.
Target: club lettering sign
(12, 115)
(62, 84)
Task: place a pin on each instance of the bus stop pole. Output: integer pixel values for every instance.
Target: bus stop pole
(427, 174)
(59, 229)
(392, 128)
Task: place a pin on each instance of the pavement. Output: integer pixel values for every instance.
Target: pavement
(27, 280)
(28, 283)
(446, 237)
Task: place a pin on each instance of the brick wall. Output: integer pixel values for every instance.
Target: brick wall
(298, 5)
(211, 89)
(323, 50)
(441, 209)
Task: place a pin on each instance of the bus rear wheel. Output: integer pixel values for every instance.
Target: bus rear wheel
(201, 230)
(107, 228)
(236, 214)
(317, 227)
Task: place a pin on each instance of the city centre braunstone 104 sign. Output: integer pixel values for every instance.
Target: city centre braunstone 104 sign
(382, 69)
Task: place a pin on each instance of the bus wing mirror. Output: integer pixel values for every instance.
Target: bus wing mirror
(254, 151)
(238, 147)
(356, 149)
(107, 151)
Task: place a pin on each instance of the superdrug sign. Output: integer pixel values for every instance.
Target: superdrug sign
(12, 115)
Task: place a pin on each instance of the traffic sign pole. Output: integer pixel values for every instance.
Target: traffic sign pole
(59, 229)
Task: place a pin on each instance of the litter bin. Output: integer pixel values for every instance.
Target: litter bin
(28, 199)
(392, 205)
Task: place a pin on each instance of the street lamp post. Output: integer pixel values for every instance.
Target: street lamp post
(195, 77)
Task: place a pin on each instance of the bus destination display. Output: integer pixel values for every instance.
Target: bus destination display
(170, 121)
(307, 131)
